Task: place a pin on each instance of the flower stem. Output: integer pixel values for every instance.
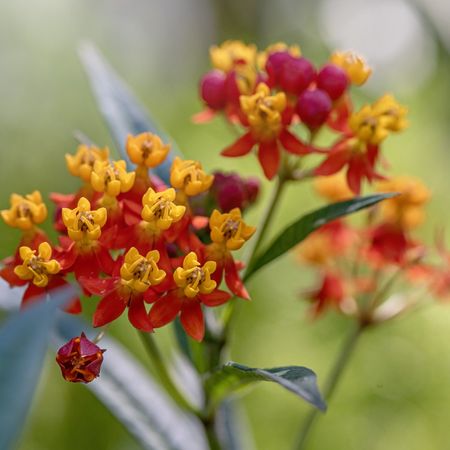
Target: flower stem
(266, 219)
(163, 375)
(331, 383)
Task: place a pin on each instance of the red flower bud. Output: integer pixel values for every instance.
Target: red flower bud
(333, 80)
(313, 108)
(80, 360)
(296, 75)
(212, 89)
(274, 66)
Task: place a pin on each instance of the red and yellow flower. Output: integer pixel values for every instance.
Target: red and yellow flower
(267, 129)
(127, 288)
(193, 287)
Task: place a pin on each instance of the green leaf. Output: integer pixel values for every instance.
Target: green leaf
(127, 389)
(299, 380)
(24, 339)
(300, 229)
(232, 427)
(121, 110)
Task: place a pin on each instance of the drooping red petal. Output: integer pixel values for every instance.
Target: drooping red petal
(355, 175)
(7, 273)
(104, 260)
(99, 286)
(137, 315)
(67, 255)
(240, 147)
(191, 319)
(293, 144)
(165, 309)
(203, 116)
(269, 158)
(111, 306)
(216, 298)
(334, 162)
(31, 295)
(233, 280)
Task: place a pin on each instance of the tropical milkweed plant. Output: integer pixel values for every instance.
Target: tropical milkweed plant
(154, 236)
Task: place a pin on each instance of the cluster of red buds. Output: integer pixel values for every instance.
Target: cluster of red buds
(363, 268)
(277, 95)
(132, 241)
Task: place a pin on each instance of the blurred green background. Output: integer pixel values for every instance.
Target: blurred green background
(396, 392)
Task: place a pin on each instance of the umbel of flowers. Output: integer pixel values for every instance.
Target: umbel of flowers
(272, 94)
(131, 242)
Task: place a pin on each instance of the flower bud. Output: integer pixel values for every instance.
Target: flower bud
(313, 108)
(213, 89)
(333, 80)
(274, 66)
(296, 75)
(80, 360)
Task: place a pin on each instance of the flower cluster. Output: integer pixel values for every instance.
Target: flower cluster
(277, 95)
(362, 267)
(132, 241)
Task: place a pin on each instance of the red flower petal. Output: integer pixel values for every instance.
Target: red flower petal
(165, 309)
(203, 116)
(216, 298)
(137, 315)
(98, 286)
(7, 273)
(355, 174)
(335, 161)
(269, 158)
(192, 320)
(292, 144)
(105, 262)
(111, 306)
(233, 280)
(31, 295)
(240, 147)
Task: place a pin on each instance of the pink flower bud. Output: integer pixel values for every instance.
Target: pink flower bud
(333, 80)
(212, 89)
(313, 108)
(296, 75)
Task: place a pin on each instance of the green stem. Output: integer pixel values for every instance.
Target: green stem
(211, 435)
(266, 219)
(163, 375)
(331, 383)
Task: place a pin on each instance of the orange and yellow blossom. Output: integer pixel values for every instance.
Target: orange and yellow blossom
(25, 211)
(229, 230)
(354, 65)
(407, 209)
(37, 267)
(146, 149)
(189, 177)
(81, 164)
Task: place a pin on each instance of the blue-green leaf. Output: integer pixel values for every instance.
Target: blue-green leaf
(299, 380)
(121, 110)
(301, 228)
(24, 339)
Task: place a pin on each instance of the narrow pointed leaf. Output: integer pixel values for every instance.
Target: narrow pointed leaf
(299, 380)
(127, 389)
(24, 337)
(300, 229)
(121, 110)
(232, 427)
